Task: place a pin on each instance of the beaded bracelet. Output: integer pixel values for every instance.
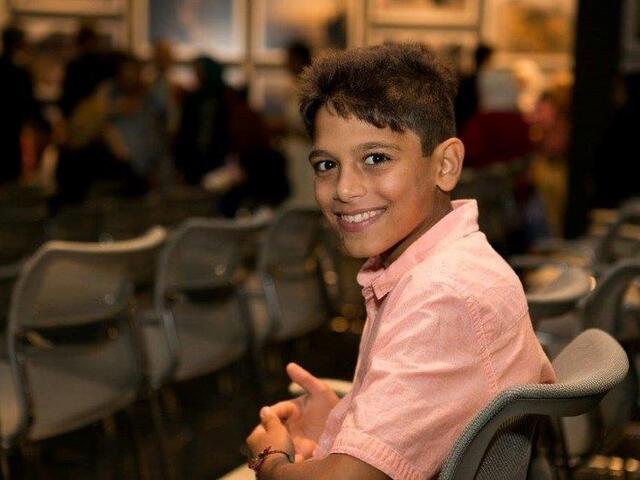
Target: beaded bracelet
(256, 462)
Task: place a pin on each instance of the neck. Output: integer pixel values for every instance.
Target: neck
(441, 208)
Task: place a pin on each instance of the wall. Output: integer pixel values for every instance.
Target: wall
(248, 35)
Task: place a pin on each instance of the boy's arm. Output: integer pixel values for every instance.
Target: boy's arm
(334, 466)
(272, 433)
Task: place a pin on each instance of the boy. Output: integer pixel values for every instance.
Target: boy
(447, 322)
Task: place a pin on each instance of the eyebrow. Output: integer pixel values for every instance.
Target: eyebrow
(373, 145)
(362, 147)
(318, 153)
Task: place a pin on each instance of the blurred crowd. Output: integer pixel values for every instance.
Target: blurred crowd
(123, 125)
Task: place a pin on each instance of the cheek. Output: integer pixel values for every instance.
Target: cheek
(324, 193)
(398, 187)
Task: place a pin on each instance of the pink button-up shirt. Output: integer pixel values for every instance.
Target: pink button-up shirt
(447, 329)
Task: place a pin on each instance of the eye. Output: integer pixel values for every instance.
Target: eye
(375, 159)
(323, 166)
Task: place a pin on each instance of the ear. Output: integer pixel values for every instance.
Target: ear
(449, 157)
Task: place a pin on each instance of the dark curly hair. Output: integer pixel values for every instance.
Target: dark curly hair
(400, 86)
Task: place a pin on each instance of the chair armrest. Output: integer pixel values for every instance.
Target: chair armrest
(341, 387)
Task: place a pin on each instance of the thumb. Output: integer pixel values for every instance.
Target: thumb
(308, 382)
(269, 419)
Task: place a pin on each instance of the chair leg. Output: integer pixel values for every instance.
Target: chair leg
(110, 469)
(5, 467)
(138, 445)
(566, 467)
(167, 460)
(259, 369)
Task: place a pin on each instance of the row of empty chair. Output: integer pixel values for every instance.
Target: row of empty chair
(91, 326)
(594, 284)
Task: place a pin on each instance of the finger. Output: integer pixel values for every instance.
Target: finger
(298, 458)
(257, 433)
(269, 420)
(285, 409)
(305, 447)
(303, 378)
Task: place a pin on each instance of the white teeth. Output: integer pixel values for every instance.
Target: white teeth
(360, 217)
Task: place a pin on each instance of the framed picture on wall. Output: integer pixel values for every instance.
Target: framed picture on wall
(70, 7)
(453, 46)
(193, 27)
(541, 30)
(631, 36)
(320, 24)
(424, 12)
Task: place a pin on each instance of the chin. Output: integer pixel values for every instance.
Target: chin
(358, 250)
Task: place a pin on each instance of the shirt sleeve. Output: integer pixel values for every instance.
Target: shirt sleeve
(425, 378)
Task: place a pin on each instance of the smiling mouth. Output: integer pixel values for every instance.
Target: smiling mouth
(360, 217)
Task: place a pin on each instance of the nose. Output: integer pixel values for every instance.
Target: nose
(351, 185)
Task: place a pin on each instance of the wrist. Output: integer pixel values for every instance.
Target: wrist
(272, 465)
(267, 460)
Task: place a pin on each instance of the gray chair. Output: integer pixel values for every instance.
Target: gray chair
(340, 271)
(184, 202)
(618, 240)
(497, 444)
(199, 300)
(621, 240)
(73, 353)
(290, 275)
(493, 187)
(603, 308)
(22, 230)
(560, 295)
(125, 218)
(76, 223)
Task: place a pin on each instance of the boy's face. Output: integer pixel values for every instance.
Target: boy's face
(373, 184)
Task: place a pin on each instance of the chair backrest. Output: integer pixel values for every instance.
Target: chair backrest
(73, 285)
(45, 294)
(201, 267)
(497, 443)
(76, 223)
(340, 270)
(617, 243)
(602, 308)
(290, 274)
(22, 230)
(494, 189)
(127, 218)
(182, 203)
(561, 294)
(203, 253)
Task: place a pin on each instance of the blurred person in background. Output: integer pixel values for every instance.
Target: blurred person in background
(89, 152)
(531, 84)
(224, 145)
(497, 144)
(18, 104)
(93, 63)
(550, 130)
(295, 142)
(162, 88)
(202, 140)
(497, 132)
(466, 101)
(138, 120)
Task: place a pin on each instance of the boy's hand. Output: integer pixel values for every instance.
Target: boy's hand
(306, 415)
(270, 433)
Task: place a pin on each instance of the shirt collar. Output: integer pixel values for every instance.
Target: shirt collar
(461, 221)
